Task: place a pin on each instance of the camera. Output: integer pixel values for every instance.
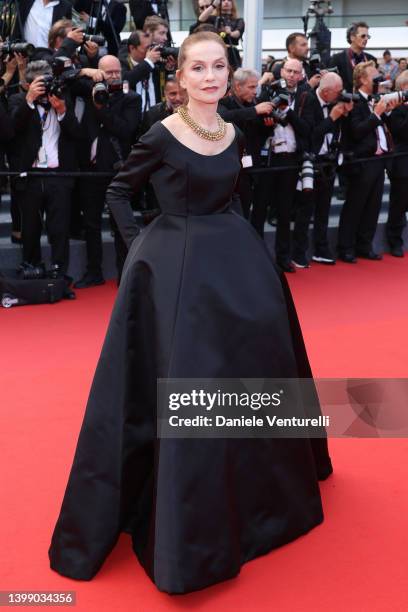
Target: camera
(279, 96)
(62, 73)
(102, 91)
(8, 48)
(32, 272)
(95, 38)
(307, 172)
(345, 96)
(166, 52)
(315, 63)
(399, 96)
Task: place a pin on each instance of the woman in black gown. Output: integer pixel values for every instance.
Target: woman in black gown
(199, 298)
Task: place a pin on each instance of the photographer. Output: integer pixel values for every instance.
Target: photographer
(399, 175)
(106, 18)
(173, 98)
(347, 60)
(37, 17)
(141, 9)
(369, 138)
(46, 130)
(241, 107)
(206, 13)
(297, 47)
(66, 40)
(111, 120)
(139, 60)
(158, 29)
(285, 147)
(327, 114)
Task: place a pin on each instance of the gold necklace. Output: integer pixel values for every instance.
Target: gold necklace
(199, 130)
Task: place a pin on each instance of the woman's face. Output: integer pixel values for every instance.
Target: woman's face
(205, 72)
(226, 5)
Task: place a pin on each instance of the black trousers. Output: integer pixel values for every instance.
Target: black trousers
(359, 215)
(52, 196)
(279, 186)
(314, 203)
(398, 206)
(92, 195)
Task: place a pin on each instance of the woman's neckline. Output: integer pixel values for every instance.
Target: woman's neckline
(196, 152)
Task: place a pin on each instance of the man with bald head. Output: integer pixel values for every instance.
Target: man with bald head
(285, 147)
(112, 119)
(326, 116)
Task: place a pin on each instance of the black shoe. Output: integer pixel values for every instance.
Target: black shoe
(55, 271)
(348, 258)
(69, 294)
(397, 251)
(369, 255)
(324, 257)
(286, 266)
(300, 261)
(89, 280)
(16, 239)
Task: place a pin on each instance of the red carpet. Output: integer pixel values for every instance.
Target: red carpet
(355, 322)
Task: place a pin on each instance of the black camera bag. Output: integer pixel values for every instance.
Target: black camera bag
(16, 291)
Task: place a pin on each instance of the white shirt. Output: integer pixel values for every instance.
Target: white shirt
(381, 137)
(284, 139)
(327, 137)
(141, 90)
(47, 156)
(39, 22)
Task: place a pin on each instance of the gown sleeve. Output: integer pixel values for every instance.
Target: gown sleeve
(236, 204)
(144, 159)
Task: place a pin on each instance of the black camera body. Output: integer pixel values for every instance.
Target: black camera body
(103, 90)
(24, 48)
(95, 38)
(345, 96)
(63, 72)
(316, 66)
(279, 96)
(166, 52)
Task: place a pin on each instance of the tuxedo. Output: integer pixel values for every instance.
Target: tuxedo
(359, 215)
(396, 222)
(62, 10)
(282, 183)
(142, 72)
(117, 15)
(345, 62)
(324, 132)
(37, 193)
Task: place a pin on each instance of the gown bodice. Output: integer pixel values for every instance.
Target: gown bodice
(185, 182)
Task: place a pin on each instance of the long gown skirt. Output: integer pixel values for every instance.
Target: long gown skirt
(200, 298)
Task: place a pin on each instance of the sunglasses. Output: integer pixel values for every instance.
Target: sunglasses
(364, 36)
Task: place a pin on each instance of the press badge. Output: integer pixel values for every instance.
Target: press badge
(247, 161)
(42, 158)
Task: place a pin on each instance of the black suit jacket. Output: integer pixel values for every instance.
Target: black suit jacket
(342, 61)
(246, 119)
(363, 129)
(27, 141)
(301, 118)
(117, 13)
(398, 124)
(141, 72)
(320, 125)
(156, 113)
(115, 126)
(63, 9)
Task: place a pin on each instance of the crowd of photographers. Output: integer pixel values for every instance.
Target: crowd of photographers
(67, 107)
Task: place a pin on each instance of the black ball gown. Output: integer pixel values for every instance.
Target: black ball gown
(199, 298)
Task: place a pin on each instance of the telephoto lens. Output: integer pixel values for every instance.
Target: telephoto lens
(307, 173)
(95, 38)
(399, 96)
(100, 93)
(24, 48)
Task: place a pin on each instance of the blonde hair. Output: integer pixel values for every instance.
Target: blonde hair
(360, 71)
(196, 38)
(401, 80)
